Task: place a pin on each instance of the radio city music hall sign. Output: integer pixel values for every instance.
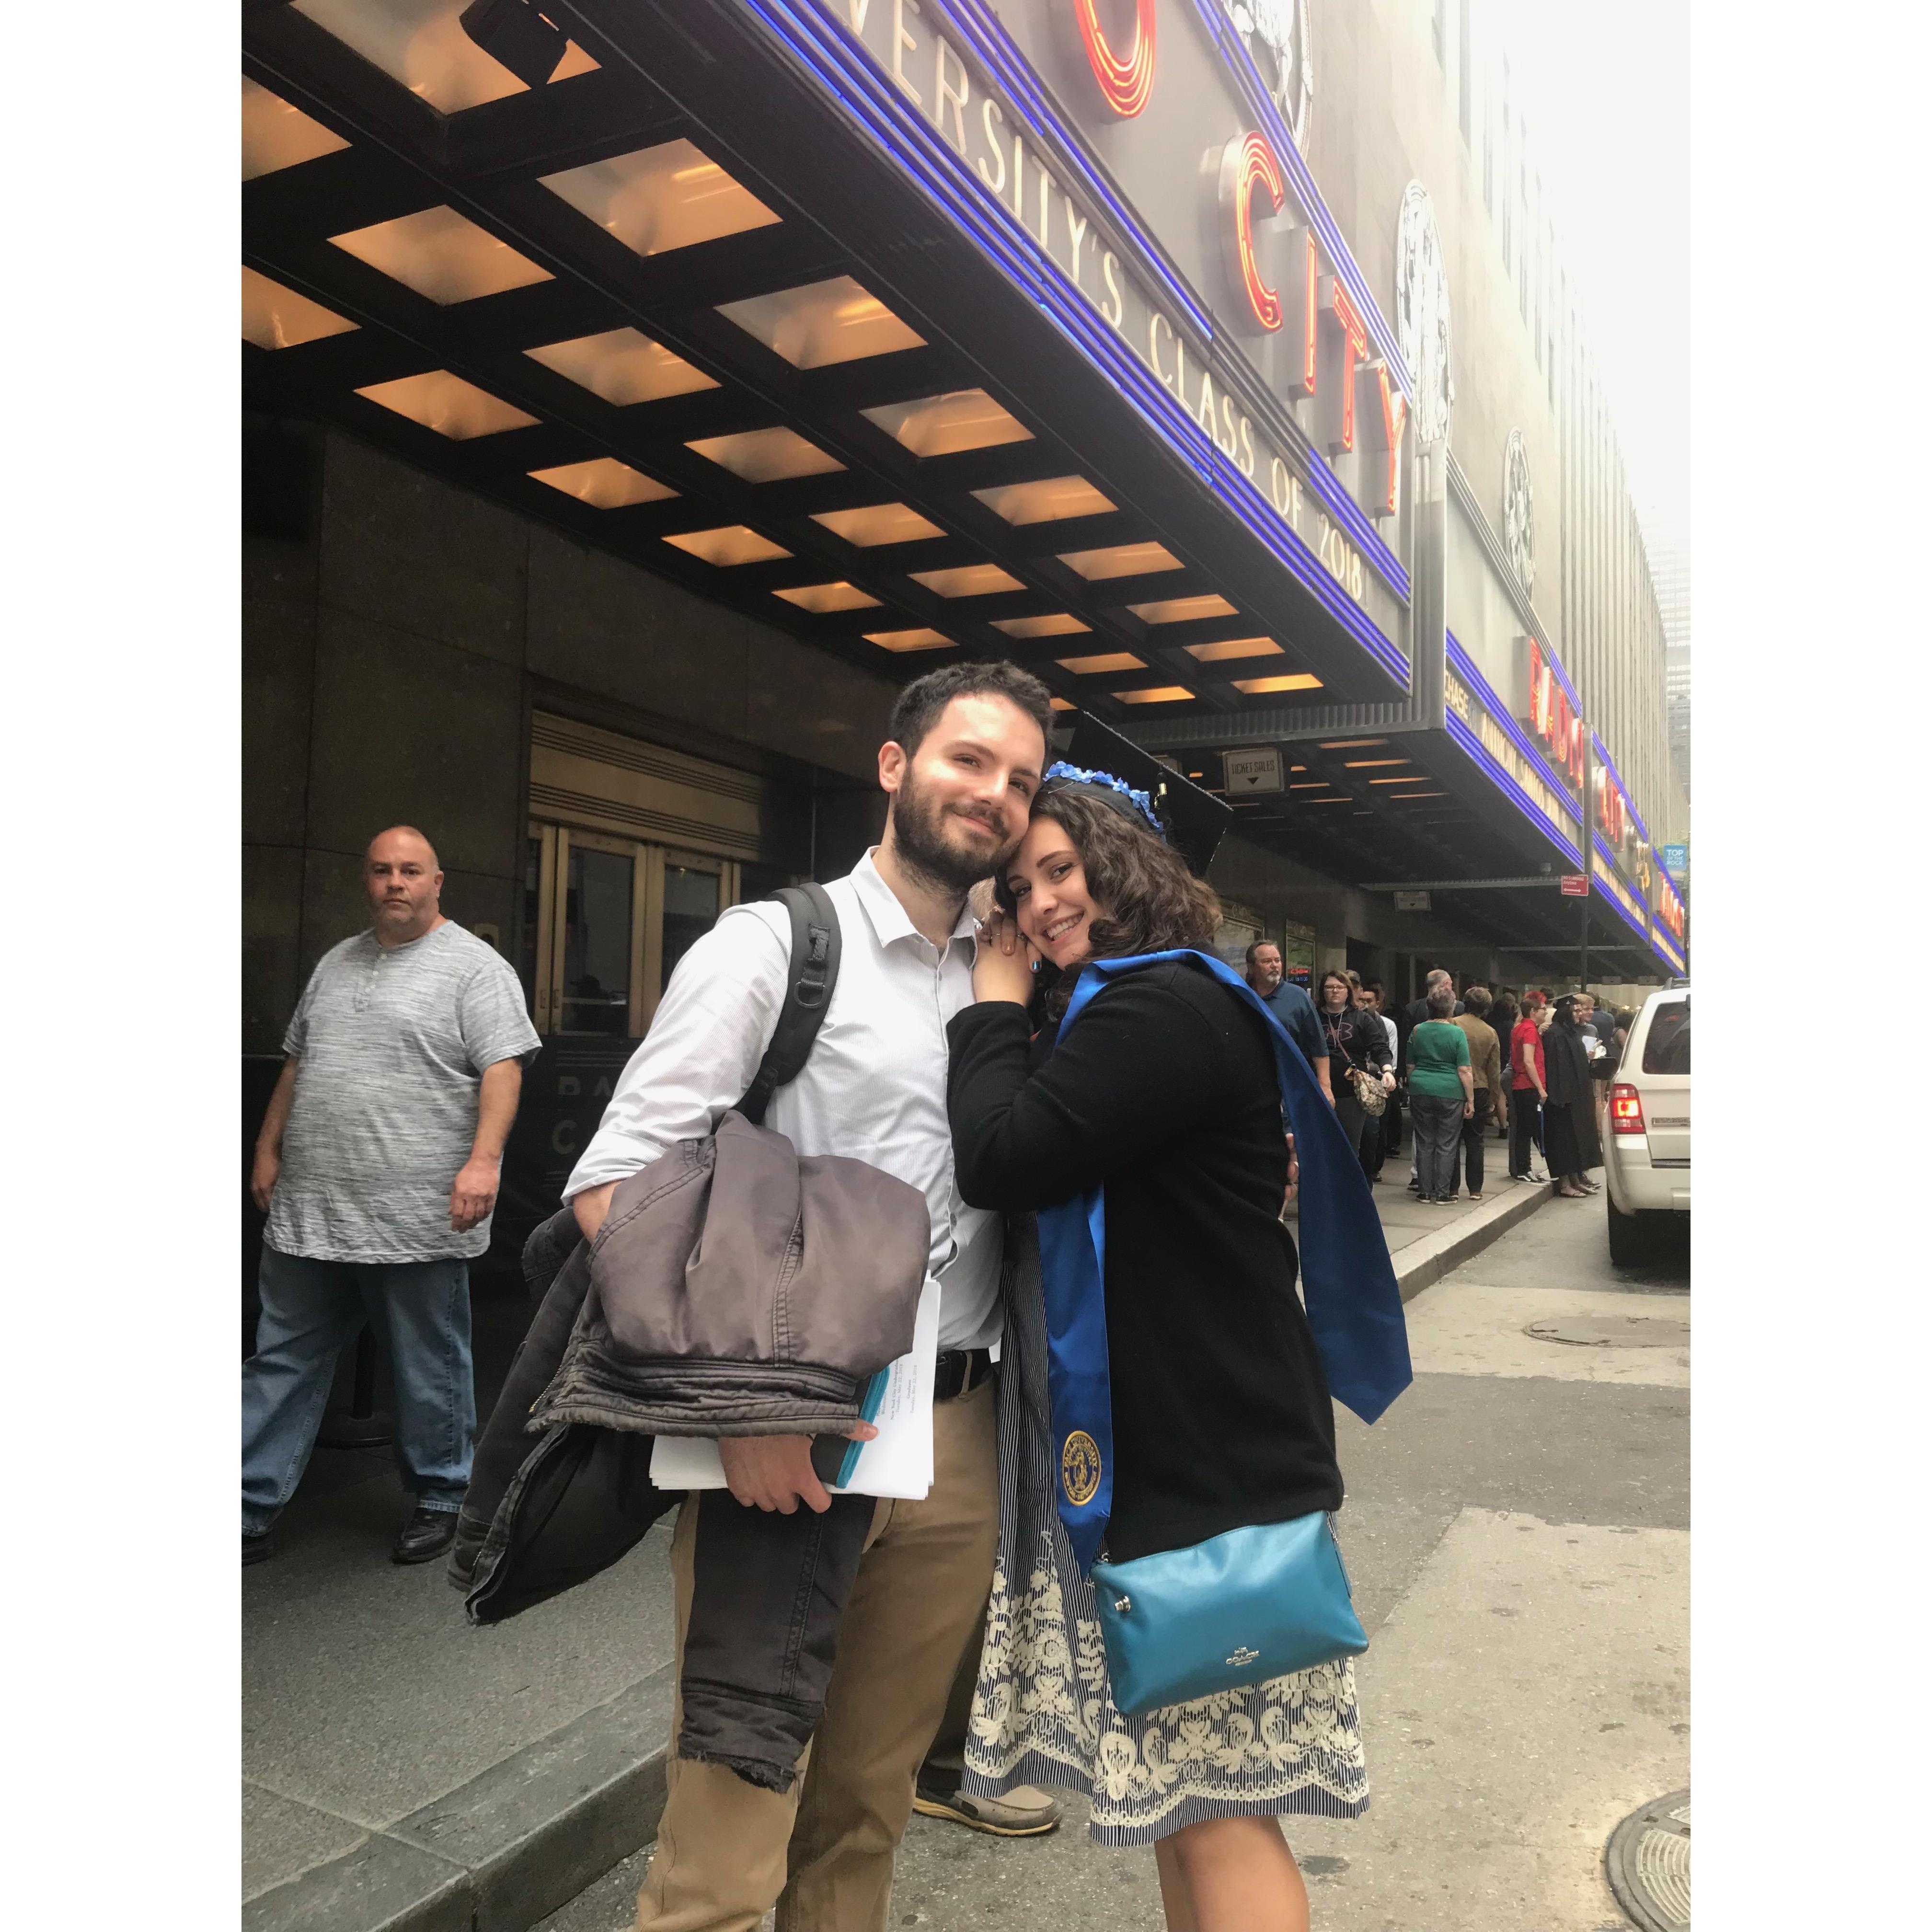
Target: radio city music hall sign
(1276, 282)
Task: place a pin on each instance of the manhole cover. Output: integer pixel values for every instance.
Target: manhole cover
(1647, 1862)
(1613, 1331)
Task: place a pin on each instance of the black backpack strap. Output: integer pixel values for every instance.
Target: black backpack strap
(815, 972)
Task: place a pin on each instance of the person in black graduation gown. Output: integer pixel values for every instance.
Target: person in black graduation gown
(1165, 1091)
(1568, 1129)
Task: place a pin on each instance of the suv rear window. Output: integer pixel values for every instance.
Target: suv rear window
(1667, 1047)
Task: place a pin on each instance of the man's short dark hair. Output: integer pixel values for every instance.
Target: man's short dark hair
(922, 701)
(1257, 946)
(1477, 999)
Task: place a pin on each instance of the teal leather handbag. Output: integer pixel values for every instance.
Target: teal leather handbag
(1249, 1605)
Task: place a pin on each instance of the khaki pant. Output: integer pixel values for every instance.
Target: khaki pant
(822, 1851)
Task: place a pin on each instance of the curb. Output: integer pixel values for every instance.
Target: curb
(526, 1836)
(508, 1848)
(1424, 1263)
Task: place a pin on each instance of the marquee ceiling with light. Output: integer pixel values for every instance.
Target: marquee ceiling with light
(569, 299)
(560, 297)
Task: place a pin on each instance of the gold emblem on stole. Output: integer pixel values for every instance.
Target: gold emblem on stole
(1080, 1468)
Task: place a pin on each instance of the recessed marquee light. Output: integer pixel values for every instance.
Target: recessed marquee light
(821, 597)
(944, 425)
(443, 256)
(604, 483)
(1182, 609)
(1234, 647)
(622, 367)
(878, 523)
(969, 579)
(1056, 624)
(447, 404)
(275, 135)
(655, 199)
(823, 322)
(767, 455)
(1051, 500)
(1104, 661)
(274, 317)
(1140, 559)
(1260, 687)
(734, 543)
(1158, 694)
(923, 639)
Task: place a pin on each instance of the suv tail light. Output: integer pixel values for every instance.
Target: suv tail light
(1626, 1110)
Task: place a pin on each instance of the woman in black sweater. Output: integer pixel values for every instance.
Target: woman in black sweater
(1166, 1090)
(1356, 1045)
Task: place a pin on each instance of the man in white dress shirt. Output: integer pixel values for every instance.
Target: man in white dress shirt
(966, 754)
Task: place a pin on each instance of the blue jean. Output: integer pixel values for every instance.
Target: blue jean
(311, 1311)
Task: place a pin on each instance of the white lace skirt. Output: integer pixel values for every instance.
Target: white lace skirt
(1041, 1713)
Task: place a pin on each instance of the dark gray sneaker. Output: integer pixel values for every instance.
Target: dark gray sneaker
(1025, 1812)
(257, 1548)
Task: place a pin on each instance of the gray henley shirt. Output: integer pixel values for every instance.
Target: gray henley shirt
(392, 1043)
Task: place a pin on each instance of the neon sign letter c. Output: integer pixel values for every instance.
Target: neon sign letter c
(1256, 163)
(1125, 84)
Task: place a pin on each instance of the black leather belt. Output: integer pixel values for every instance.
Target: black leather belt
(958, 1370)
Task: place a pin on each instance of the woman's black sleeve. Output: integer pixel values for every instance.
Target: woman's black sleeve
(1140, 1066)
(1374, 1049)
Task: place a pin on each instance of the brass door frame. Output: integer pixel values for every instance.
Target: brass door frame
(566, 839)
(647, 894)
(544, 987)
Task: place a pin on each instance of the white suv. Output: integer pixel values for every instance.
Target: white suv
(1647, 1151)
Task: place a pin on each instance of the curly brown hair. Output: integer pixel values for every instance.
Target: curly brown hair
(1153, 903)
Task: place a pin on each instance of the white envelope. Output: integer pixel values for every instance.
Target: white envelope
(897, 1462)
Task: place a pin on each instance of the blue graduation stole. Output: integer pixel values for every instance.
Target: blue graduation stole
(1348, 1285)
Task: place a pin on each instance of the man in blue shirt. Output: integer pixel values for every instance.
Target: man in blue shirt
(1292, 1007)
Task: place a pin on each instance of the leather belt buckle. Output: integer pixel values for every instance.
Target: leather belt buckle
(958, 1371)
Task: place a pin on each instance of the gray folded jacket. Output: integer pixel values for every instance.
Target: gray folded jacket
(739, 1288)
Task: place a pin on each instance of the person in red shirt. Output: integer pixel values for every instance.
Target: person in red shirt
(1527, 1084)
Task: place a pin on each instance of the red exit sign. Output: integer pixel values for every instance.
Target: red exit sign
(1576, 885)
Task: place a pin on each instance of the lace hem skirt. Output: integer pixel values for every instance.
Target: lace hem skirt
(1041, 1713)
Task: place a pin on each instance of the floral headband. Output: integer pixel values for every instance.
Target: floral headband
(1115, 792)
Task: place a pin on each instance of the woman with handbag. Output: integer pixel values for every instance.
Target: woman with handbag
(1176, 1460)
(1361, 1072)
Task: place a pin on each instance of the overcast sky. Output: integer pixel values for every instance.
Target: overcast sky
(1605, 93)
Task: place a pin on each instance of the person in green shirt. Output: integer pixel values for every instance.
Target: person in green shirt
(1441, 1095)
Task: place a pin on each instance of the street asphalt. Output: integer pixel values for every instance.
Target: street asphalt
(1517, 1533)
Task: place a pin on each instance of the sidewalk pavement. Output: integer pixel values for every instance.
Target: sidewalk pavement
(402, 1772)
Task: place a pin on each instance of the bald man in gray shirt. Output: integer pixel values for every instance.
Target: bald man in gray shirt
(377, 1167)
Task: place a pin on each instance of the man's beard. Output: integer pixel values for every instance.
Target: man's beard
(919, 831)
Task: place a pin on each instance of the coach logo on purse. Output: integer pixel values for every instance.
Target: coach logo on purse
(1243, 1655)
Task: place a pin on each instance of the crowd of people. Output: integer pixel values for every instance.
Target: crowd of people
(1529, 1068)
